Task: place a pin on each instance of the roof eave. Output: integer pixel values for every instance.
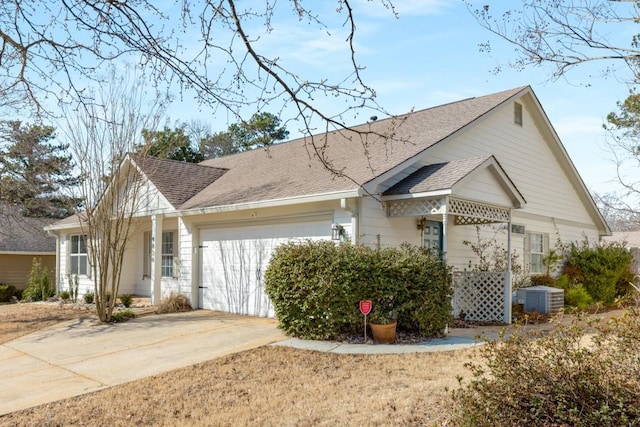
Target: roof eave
(323, 197)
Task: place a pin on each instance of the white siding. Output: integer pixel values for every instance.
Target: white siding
(525, 157)
(378, 229)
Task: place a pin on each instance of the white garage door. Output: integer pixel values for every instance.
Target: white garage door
(233, 262)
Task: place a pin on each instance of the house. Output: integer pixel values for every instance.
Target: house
(21, 240)
(493, 160)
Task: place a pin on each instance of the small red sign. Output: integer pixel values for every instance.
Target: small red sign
(365, 307)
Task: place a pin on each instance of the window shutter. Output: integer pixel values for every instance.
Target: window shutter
(527, 253)
(176, 241)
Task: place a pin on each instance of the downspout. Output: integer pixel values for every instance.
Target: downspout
(355, 224)
(56, 234)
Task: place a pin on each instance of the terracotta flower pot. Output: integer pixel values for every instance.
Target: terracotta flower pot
(384, 334)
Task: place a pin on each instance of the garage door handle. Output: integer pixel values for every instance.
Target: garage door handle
(203, 287)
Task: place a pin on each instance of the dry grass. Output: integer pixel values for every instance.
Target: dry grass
(17, 320)
(269, 386)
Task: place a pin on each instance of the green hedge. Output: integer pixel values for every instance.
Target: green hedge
(316, 287)
(604, 269)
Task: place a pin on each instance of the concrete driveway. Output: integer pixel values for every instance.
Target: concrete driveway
(82, 356)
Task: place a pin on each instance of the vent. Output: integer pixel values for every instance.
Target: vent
(517, 114)
(541, 299)
(518, 229)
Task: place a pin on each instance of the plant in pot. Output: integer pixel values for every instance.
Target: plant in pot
(383, 321)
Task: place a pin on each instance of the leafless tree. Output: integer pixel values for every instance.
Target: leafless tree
(219, 51)
(564, 34)
(100, 135)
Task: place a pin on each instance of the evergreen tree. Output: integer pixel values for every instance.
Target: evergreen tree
(35, 171)
(173, 144)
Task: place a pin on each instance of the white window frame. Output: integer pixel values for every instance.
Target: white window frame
(537, 247)
(168, 269)
(78, 258)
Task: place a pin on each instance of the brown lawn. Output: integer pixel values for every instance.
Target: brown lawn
(267, 386)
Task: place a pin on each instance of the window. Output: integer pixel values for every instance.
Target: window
(78, 255)
(517, 113)
(168, 253)
(536, 253)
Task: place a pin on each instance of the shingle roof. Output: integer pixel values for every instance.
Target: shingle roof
(177, 181)
(292, 168)
(440, 176)
(20, 234)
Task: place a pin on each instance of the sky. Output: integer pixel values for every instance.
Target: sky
(430, 55)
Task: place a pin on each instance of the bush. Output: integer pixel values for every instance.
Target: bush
(556, 379)
(122, 315)
(578, 297)
(605, 269)
(38, 288)
(542, 280)
(126, 300)
(89, 297)
(315, 288)
(174, 303)
(64, 295)
(6, 292)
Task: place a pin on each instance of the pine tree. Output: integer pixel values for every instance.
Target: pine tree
(35, 172)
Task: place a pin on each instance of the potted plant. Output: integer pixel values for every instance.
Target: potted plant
(383, 321)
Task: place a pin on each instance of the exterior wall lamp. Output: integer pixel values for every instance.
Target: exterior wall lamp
(337, 231)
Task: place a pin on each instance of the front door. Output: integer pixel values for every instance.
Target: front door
(432, 235)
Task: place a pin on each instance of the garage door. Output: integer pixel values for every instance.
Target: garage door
(233, 262)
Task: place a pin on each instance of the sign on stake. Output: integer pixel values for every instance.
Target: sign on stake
(365, 308)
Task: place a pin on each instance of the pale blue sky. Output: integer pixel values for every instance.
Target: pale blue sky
(429, 56)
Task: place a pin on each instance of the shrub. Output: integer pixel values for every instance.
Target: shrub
(315, 288)
(38, 288)
(89, 297)
(542, 280)
(126, 300)
(578, 297)
(174, 303)
(556, 379)
(6, 292)
(122, 315)
(64, 295)
(605, 269)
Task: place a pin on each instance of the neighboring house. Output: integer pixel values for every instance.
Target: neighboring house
(21, 240)
(494, 159)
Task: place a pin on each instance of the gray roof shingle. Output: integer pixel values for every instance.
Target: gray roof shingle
(292, 169)
(440, 176)
(177, 181)
(21, 234)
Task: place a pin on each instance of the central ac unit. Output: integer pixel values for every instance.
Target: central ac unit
(542, 299)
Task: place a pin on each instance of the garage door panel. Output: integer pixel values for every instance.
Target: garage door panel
(234, 261)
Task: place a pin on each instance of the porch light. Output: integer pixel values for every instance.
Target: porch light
(337, 231)
(421, 223)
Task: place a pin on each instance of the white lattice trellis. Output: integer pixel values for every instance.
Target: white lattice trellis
(479, 296)
(468, 212)
(414, 207)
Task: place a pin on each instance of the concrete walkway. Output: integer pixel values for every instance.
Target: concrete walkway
(83, 355)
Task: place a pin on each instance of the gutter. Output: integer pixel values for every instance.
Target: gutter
(265, 204)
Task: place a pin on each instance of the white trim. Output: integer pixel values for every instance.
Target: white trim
(266, 203)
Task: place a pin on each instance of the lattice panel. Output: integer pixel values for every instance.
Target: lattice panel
(478, 296)
(414, 207)
(478, 213)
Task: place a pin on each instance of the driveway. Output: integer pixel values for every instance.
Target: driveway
(83, 355)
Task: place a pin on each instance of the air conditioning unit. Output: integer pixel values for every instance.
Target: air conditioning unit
(542, 299)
